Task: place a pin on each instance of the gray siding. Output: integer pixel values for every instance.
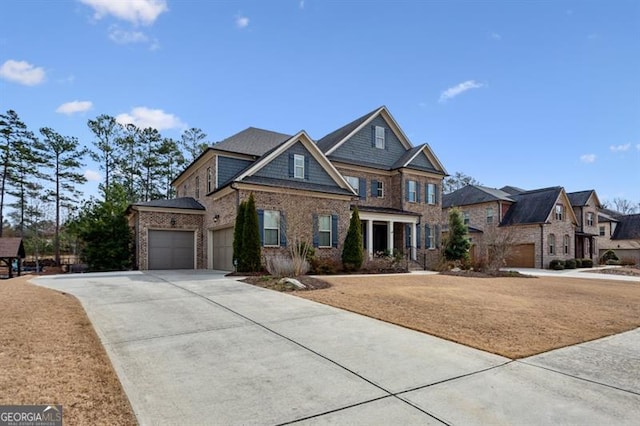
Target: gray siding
(421, 162)
(278, 168)
(229, 167)
(360, 148)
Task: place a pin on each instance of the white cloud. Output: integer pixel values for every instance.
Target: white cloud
(454, 91)
(620, 148)
(92, 176)
(121, 36)
(144, 117)
(74, 106)
(588, 158)
(242, 22)
(21, 72)
(135, 11)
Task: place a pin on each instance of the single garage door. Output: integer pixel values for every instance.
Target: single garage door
(171, 250)
(223, 249)
(522, 256)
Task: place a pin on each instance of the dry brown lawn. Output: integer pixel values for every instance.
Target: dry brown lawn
(513, 317)
(50, 354)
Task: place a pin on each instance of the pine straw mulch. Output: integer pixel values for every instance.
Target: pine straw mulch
(50, 354)
(273, 283)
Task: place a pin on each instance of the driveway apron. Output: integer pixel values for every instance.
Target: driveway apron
(195, 347)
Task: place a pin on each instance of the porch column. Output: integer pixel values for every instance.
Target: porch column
(370, 238)
(414, 244)
(390, 236)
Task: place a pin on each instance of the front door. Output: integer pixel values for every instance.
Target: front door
(380, 235)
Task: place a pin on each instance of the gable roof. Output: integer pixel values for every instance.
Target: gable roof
(474, 194)
(608, 215)
(11, 248)
(512, 190)
(628, 228)
(187, 203)
(252, 141)
(533, 206)
(328, 142)
(581, 198)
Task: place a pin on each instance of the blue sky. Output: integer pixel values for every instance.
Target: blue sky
(525, 93)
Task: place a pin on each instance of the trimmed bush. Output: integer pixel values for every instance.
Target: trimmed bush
(251, 256)
(570, 264)
(578, 263)
(352, 252)
(587, 263)
(607, 256)
(556, 264)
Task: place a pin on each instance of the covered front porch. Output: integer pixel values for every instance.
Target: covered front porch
(585, 246)
(386, 230)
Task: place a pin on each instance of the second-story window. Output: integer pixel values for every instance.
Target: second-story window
(380, 140)
(298, 166)
(559, 212)
(431, 193)
(489, 215)
(602, 233)
(411, 191)
(589, 219)
(209, 179)
(379, 189)
(354, 182)
(465, 218)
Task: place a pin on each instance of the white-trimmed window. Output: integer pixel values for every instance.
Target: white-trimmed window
(465, 218)
(354, 182)
(602, 231)
(324, 231)
(271, 228)
(566, 244)
(298, 166)
(209, 179)
(430, 240)
(489, 215)
(379, 189)
(411, 191)
(552, 244)
(380, 141)
(431, 193)
(590, 219)
(197, 187)
(559, 212)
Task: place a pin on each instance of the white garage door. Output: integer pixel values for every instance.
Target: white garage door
(171, 250)
(223, 249)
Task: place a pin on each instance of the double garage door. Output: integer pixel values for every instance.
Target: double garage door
(171, 249)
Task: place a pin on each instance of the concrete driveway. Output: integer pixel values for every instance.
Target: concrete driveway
(195, 347)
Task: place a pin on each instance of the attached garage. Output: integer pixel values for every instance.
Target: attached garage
(222, 249)
(522, 256)
(171, 249)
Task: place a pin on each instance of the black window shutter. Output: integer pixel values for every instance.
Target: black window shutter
(386, 139)
(291, 164)
(407, 235)
(437, 236)
(437, 189)
(427, 234)
(374, 188)
(418, 236)
(316, 236)
(406, 190)
(334, 230)
(283, 229)
(417, 192)
(363, 188)
(306, 167)
(261, 225)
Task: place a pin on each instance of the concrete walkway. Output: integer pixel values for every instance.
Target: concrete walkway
(197, 348)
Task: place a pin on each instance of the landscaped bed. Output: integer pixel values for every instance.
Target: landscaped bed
(50, 354)
(514, 317)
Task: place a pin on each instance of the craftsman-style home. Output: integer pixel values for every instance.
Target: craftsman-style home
(302, 187)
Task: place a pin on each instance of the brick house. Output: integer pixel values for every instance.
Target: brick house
(542, 222)
(620, 233)
(302, 187)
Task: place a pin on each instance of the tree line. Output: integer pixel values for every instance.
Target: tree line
(41, 175)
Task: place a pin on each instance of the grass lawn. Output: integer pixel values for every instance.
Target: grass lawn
(513, 317)
(50, 354)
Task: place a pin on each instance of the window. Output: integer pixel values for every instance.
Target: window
(298, 166)
(197, 187)
(411, 191)
(489, 215)
(590, 219)
(431, 193)
(552, 244)
(380, 142)
(559, 212)
(566, 243)
(354, 182)
(430, 241)
(465, 218)
(602, 231)
(271, 228)
(209, 179)
(324, 231)
(379, 189)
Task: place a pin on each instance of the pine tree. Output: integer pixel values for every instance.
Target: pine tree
(107, 132)
(457, 244)
(352, 253)
(251, 254)
(238, 232)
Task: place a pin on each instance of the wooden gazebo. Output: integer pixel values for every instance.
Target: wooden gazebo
(11, 249)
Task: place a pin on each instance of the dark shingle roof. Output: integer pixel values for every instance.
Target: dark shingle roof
(512, 190)
(329, 141)
(406, 157)
(188, 203)
(374, 209)
(628, 228)
(532, 206)
(303, 185)
(252, 141)
(474, 194)
(11, 247)
(580, 198)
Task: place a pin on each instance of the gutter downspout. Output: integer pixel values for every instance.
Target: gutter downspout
(542, 246)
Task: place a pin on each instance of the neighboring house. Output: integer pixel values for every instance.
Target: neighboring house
(303, 189)
(620, 233)
(586, 206)
(541, 222)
